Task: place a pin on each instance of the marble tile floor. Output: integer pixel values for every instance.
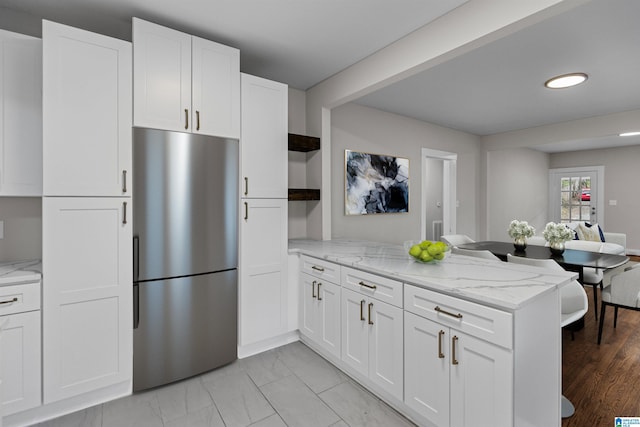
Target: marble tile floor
(287, 386)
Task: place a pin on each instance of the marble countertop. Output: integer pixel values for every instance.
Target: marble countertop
(498, 284)
(18, 272)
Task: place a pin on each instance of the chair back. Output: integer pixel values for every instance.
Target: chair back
(625, 288)
(473, 253)
(454, 240)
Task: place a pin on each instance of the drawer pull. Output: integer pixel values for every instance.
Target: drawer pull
(439, 310)
(362, 310)
(315, 267)
(313, 289)
(14, 299)
(440, 353)
(319, 298)
(370, 307)
(454, 341)
(366, 285)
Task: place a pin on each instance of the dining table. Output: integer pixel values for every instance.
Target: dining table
(571, 259)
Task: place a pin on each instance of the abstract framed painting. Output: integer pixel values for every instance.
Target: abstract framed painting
(375, 183)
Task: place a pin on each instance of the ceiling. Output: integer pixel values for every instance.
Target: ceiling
(493, 89)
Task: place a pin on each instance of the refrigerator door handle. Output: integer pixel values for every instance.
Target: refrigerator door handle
(136, 305)
(136, 258)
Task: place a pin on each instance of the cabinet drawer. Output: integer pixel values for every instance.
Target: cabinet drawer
(321, 269)
(380, 288)
(483, 322)
(27, 298)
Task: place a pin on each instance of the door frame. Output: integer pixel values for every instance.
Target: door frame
(449, 194)
(554, 189)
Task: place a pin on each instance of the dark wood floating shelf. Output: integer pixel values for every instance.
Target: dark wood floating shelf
(303, 194)
(303, 143)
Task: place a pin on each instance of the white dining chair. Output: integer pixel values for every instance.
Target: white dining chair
(573, 306)
(474, 253)
(454, 240)
(624, 292)
(590, 276)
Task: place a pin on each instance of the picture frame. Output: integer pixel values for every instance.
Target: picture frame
(375, 183)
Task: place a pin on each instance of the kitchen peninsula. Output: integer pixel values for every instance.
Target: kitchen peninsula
(463, 341)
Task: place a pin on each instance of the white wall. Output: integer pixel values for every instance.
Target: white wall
(517, 188)
(297, 164)
(22, 218)
(359, 128)
(621, 178)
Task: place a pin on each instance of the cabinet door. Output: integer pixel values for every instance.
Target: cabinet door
(264, 140)
(309, 325)
(355, 331)
(20, 115)
(215, 89)
(385, 346)
(87, 295)
(87, 113)
(263, 270)
(426, 367)
(481, 382)
(21, 355)
(161, 77)
(328, 297)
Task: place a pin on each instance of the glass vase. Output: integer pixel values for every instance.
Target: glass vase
(520, 243)
(556, 248)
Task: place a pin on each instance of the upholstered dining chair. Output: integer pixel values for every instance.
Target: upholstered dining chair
(590, 276)
(573, 305)
(454, 240)
(478, 254)
(624, 292)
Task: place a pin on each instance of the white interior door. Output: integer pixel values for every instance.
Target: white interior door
(575, 194)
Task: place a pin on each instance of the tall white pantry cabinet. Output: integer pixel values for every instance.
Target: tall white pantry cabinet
(263, 298)
(86, 213)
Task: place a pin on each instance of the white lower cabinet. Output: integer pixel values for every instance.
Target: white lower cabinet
(452, 378)
(87, 296)
(372, 340)
(320, 313)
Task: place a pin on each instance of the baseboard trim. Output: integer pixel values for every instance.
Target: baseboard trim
(268, 344)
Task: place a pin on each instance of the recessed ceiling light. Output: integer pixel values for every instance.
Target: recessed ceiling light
(565, 80)
(630, 134)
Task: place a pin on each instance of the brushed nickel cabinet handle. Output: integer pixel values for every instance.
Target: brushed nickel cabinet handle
(246, 211)
(440, 353)
(246, 186)
(362, 310)
(14, 299)
(315, 267)
(313, 289)
(366, 285)
(197, 120)
(454, 341)
(319, 297)
(439, 310)
(186, 118)
(370, 307)
(124, 213)
(124, 181)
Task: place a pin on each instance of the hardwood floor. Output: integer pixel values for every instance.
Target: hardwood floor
(602, 381)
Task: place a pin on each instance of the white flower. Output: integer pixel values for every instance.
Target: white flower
(554, 233)
(520, 229)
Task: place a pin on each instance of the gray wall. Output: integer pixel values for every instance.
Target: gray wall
(359, 128)
(22, 218)
(517, 188)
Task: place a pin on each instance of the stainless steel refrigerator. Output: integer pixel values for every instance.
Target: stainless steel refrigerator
(185, 199)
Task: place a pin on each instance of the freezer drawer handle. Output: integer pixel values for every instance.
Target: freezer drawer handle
(14, 299)
(136, 305)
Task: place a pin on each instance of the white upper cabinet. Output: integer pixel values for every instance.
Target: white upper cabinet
(87, 113)
(264, 151)
(184, 83)
(20, 115)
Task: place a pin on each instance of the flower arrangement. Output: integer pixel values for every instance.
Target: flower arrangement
(520, 229)
(557, 233)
